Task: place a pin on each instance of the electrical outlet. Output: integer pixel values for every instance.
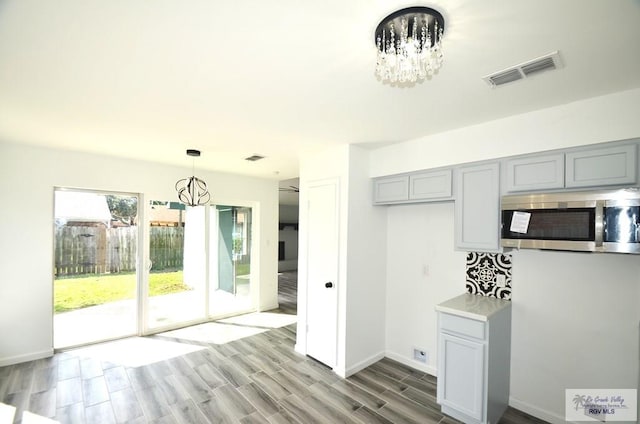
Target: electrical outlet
(501, 280)
(420, 355)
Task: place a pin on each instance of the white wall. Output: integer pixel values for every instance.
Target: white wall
(575, 316)
(290, 238)
(27, 178)
(575, 324)
(288, 214)
(596, 120)
(330, 165)
(422, 271)
(361, 282)
(365, 337)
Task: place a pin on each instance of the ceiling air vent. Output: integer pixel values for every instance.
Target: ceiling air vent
(254, 158)
(505, 77)
(524, 70)
(538, 66)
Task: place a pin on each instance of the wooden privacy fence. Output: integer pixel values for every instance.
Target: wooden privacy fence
(166, 247)
(100, 250)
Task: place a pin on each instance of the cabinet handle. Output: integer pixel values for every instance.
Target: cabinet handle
(328, 285)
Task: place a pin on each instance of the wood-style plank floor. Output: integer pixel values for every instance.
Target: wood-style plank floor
(254, 379)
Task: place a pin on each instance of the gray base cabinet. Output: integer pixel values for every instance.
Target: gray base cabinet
(474, 364)
(463, 376)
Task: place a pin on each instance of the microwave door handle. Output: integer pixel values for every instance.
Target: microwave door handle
(599, 222)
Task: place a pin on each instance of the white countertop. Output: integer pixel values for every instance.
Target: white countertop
(473, 306)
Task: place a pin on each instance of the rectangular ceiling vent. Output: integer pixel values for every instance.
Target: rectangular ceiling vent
(505, 77)
(524, 70)
(254, 158)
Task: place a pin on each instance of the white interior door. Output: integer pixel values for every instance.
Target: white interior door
(322, 273)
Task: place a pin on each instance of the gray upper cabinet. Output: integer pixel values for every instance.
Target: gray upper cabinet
(430, 185)
(535, 173)
(416, 187)
(476, 185)
(602, 167)
(477, 208)
(390, 190)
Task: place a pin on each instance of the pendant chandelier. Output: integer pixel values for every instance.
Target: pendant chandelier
(193, 191)
(409, 43)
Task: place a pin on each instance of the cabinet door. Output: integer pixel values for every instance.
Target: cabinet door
(535, 173)
(430, 185)
(461, 375)
(477, 208)
(601, 167)
(390, 189)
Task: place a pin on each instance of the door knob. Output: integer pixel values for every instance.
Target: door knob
(328, 285)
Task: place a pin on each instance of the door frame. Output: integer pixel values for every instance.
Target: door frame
(212, 252)
(303, 289)
(210, 271)
(143, 263)
(140, 243)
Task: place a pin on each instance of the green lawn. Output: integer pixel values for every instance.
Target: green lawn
(75, 293)
(242, 269)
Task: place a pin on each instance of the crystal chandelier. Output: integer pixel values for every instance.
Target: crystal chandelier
(409, 45)
(193, 191)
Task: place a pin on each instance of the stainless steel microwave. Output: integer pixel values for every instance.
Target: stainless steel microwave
(588, 221)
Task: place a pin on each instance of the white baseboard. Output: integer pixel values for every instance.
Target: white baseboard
(268, 307)
(537, 412)
(340, 371)
(411, 363)
(300, 349)
(515, 403)
(26, 357)
(360, 365)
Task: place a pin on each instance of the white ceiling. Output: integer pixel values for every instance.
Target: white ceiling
(149, 79)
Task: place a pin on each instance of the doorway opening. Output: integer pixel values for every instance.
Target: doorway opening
(230, 260)
(288, 205)
(197, 265)
(176, 242)
(95, 266)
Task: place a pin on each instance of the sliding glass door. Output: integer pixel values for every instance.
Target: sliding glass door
(197, 265)
(230, 239)
(200, 263)
(177, 276)
(95, 273)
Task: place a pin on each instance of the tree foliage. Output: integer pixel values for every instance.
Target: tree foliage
(123, 208)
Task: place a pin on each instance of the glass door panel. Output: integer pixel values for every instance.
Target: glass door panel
(95, 256)
(226, 269)
(230, 260)
(176, 284)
